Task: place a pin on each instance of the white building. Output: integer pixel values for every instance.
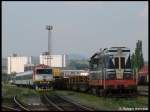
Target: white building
(16, 63)
(53, 60)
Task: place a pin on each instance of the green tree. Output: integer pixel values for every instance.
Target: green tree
(137, 59)
(81, 66)
(13, 75)
(133, 62)
(78, 64)
(5, 77)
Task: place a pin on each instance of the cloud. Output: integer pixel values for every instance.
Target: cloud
(144, 11)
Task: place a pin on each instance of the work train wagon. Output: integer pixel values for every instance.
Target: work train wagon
(40, 77)
(72, 80)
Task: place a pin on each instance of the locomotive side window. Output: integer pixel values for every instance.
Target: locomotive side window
(117, 62)
(93, 65)
(122, 62)
(128, 63)
(110, 64)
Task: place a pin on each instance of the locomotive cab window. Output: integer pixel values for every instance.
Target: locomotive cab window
(122, 62)
(43, 71)
(94, 66)
(117, 62)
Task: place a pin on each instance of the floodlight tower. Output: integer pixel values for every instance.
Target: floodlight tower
(49, 28)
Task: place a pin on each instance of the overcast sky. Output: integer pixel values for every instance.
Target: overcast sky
(78, 27)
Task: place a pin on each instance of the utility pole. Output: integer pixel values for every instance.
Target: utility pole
(49, 28)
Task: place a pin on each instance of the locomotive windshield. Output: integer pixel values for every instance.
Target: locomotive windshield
(44, 71)
(122, 62)
(117, 62)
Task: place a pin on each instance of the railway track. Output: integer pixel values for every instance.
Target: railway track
(143, 90)
(22, 107)
(143, 93)
(8, 108)
(62, 104)
(15, 106)
(49, 104)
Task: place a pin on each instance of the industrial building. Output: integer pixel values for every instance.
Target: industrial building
(16, 63)
(53, 60)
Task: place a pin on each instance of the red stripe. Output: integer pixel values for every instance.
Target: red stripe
(126, 83)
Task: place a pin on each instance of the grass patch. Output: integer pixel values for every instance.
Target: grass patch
(22, 93)
(106, 103)
(11, 90)
(99, 103)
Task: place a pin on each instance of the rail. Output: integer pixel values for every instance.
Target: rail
(10, 108)
(20, 105)
(65, 105)
(51, 103)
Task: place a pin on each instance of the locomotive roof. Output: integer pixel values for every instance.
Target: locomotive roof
(109, 50)
(116, 48)
(24, 73)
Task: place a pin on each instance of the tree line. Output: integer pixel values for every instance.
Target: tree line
(137, 60)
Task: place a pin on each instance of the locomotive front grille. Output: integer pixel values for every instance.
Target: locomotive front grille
(119, 73)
